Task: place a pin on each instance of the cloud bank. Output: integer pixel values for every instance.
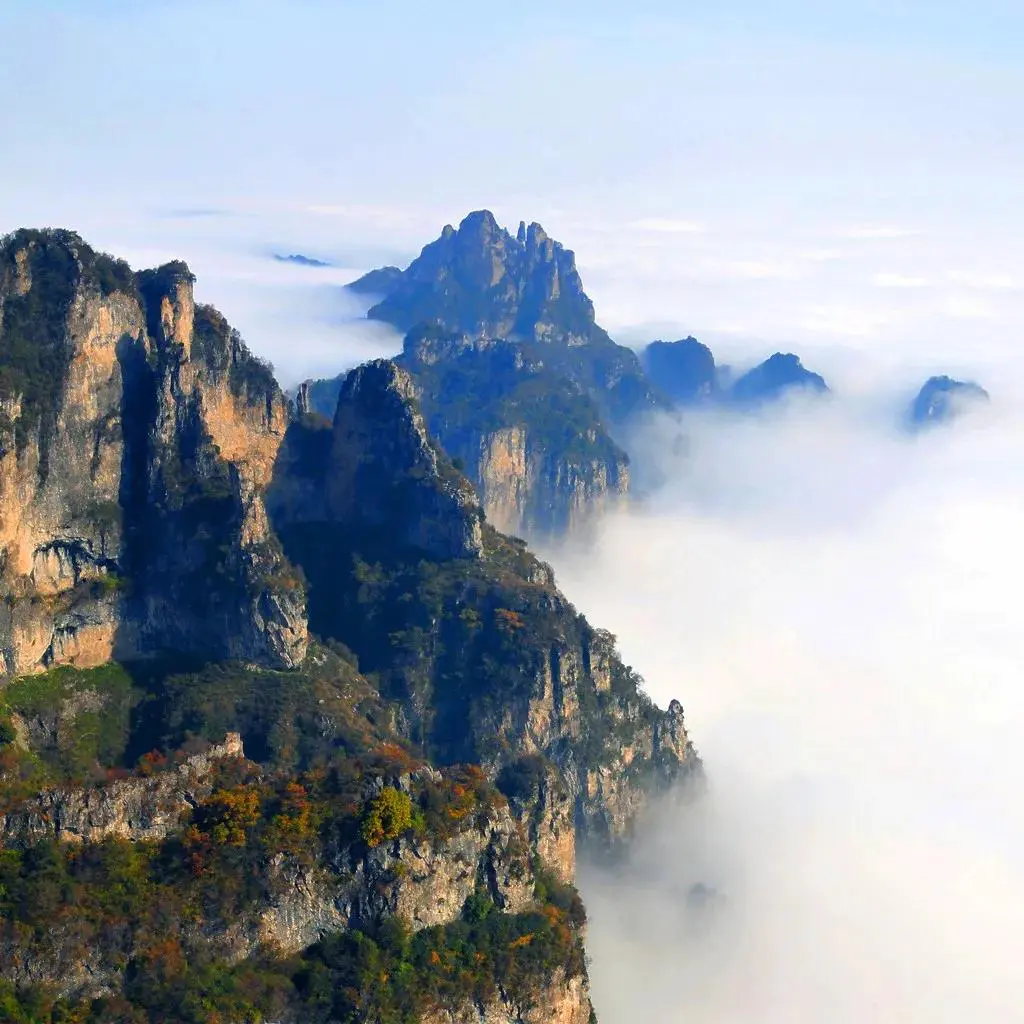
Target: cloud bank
(837, 606)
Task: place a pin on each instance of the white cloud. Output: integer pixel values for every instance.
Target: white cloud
(899, 281)
(878, 232)
(969, 307)
(759, 270)
(984, 282)
(667, 225)
(848, 320)
(836, 605)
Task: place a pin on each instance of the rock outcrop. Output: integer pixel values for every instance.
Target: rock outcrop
(684, 370)
(560, 1001)
(943, 399)
(421, 779)
(531, 442)
(418, 498)
(137, 434)
(555, 686)
(517, 380)
(145, 808)
(780, 374)
(483, 282)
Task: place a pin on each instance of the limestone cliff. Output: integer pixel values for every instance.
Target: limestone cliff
(137, 808)
(487, 660)
(531, 441)
(421, 502)
(402, 844)
(473, 849)
(136, 437)
(558, 1001)
(517, 380)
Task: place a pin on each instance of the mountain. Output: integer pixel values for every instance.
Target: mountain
(942, 399)
(779, 375)
(516, 379)
(483, 282)
(300, 260)
(288, 731)
(136, 434)
(684, 370)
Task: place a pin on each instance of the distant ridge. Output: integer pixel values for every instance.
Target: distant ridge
(298, 259)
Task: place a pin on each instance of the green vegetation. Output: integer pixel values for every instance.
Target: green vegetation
(83, 726)
(388, 816)
(88, 725)
(478, 389)
(386, 975)
(146, 914)
(224, 352)
(34, 349)
(457, 643)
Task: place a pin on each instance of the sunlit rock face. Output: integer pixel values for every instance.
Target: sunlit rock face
(136, 438)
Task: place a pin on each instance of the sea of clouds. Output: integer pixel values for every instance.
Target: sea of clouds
(837, 604)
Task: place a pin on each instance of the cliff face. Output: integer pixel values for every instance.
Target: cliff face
(422, 502)
(474, 848)
(402, 844)
(434, 631)
(136, 436)
(558, 1001)
(135, 808)
(529, 491)
(531, 441)
(517, 380)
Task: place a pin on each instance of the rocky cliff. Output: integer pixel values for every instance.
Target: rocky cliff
(398, 839)
(431, 630)
(136, 437)
(531, 441)
(148, 807)
(517, 380)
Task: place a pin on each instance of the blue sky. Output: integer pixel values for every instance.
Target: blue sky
(750, 175)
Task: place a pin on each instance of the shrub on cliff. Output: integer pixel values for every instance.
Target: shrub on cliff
(388, 815)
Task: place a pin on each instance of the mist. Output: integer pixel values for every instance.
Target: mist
(836, 603)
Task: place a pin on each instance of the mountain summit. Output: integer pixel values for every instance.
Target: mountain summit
(482, 280)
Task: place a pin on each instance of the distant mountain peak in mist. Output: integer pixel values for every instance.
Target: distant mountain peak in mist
(300, 260)
(780, 374)
(479, 279)
(941, 399)
(684, 370)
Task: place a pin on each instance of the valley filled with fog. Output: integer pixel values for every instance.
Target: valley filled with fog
(837, 605)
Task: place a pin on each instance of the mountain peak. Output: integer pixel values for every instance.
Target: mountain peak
(942, 399)
(479, 221)
(482, 280)
(779, 374)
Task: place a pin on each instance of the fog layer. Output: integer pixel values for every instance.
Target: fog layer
(837, 606)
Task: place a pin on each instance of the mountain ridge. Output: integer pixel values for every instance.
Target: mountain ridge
(419, 725)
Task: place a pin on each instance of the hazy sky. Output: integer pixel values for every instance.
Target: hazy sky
(822, 176)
